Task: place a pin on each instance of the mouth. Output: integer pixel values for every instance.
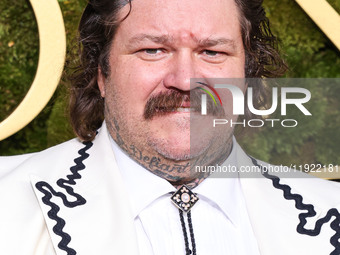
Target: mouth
(183, 109)
(168, 104)
(164, 111)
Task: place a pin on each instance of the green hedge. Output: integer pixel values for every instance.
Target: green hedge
(307, 51)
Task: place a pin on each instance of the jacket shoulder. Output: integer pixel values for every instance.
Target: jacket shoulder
(9, 165)
(294, 182)
(289, 182)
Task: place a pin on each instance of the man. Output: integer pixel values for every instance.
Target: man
(109, 191)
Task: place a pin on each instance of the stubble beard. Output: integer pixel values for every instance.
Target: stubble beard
(142, 146)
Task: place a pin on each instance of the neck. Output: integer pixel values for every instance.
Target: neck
(208, 159)
(176, 172)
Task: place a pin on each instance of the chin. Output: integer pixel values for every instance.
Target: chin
(178, 151)
(179, 142)
(171, 148)
(175, 155)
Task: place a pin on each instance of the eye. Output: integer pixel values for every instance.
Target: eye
(213, 56)
(151, 54)
(152, 51)
(214, 53)
(211, 53)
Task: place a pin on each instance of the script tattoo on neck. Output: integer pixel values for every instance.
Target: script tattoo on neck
(171, 172)
(153, 163)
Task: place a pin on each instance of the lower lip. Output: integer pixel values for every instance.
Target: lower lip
(183, 110)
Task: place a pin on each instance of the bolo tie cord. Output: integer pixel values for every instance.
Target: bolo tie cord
(191, 230)
(185, 199)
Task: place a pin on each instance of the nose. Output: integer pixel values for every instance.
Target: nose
(182, 68)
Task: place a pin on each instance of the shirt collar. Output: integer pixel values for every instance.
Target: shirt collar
(224, 192)
(143, 186)
(223, 189)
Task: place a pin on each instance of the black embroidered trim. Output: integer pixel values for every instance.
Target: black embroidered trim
(48, 191)
(335, 225)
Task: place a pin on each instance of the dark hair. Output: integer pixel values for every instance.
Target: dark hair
(97, 28)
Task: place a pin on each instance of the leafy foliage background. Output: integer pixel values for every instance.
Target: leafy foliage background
(306, 49)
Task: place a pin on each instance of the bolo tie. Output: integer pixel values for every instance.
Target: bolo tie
(184, 199)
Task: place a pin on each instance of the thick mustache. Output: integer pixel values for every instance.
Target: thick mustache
(166, 102)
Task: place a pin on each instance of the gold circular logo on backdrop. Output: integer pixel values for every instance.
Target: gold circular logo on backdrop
(52, 50)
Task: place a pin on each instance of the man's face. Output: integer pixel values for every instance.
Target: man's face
(156, 50)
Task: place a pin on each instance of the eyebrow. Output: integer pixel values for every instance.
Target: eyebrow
(146, 37)
(209, 42)
(165, 39)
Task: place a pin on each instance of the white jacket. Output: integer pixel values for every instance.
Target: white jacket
(70, 199)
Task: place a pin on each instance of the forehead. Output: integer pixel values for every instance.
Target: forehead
(182, 19)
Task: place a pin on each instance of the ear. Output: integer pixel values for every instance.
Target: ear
(101, 82)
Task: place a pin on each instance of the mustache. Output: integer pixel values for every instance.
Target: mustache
(169, 101)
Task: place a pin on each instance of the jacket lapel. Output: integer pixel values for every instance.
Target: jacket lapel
(277, 213)
(83, 201)
(84, 205)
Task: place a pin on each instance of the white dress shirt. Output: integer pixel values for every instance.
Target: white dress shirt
(220, 220)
